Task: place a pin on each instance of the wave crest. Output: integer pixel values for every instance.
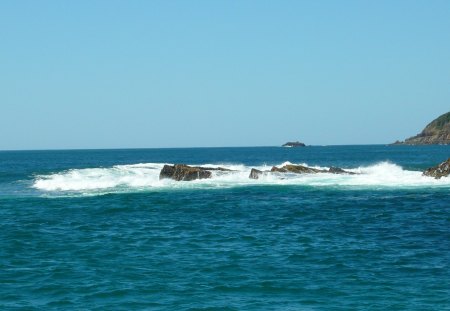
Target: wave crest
(146, 176)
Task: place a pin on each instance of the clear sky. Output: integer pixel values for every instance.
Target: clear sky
(119, 74)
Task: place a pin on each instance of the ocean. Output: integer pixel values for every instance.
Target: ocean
(98, 230)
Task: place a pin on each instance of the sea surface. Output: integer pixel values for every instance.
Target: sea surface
(98, 230)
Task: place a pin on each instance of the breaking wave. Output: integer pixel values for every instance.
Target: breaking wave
(146, 176)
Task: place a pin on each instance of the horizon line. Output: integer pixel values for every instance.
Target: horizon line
(195, 147)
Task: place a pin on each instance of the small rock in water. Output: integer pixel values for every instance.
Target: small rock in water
(294, 144)
(183, 172)
(254, 173)
(441, 170)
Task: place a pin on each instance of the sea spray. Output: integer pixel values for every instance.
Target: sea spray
(146, 176)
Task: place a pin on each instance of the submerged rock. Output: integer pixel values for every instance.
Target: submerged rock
(294, 144)
(441, 170)
(183, 172)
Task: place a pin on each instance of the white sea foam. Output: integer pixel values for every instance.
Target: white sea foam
(145, 176)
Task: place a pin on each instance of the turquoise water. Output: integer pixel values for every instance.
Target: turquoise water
(97, 230)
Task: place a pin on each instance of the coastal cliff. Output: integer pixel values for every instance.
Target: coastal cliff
(435, 133)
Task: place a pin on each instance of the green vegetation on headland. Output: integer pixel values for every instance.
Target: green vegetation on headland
(435, 133)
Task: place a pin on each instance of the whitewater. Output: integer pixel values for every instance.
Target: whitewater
(146, 176)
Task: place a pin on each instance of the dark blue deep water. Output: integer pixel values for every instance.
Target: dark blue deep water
(97, 230)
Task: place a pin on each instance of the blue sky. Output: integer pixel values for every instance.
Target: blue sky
(120, 74)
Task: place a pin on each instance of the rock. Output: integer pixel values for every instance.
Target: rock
(213, 169)
(294, 144)
(435, 133)
(254, 173)
(167, 171)
(183, 172)
(300, 169)
(297, 169)
(275, 169)
(338, 170)
(442, 170)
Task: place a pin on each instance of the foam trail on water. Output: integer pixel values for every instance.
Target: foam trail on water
(145, 176)
(134, 176)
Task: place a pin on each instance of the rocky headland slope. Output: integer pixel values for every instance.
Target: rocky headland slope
(435, 133)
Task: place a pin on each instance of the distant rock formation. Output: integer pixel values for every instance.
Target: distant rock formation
(294, 144)
(435, 133)
(441, 170)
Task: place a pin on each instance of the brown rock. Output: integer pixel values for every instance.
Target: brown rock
(297, 169)
(254, 173)
(183, 172)
(442, 170)
(278, 170)
(221, 169)
(300, 169)
(338, 170)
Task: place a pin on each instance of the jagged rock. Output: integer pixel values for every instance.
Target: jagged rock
(435, 133)
(300, 169)
(275, 169)
(254, 173)
(294, 144)
(442, 170)
(338, 170)
(213, 169)
(183, 172)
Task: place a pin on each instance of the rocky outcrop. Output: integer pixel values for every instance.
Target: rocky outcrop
(435, 133)
(255, 174)
(221, 169)
(442, 170)
(297, 169)
(338, 170)
(294, 144)
(184, 172)
(300, 169)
